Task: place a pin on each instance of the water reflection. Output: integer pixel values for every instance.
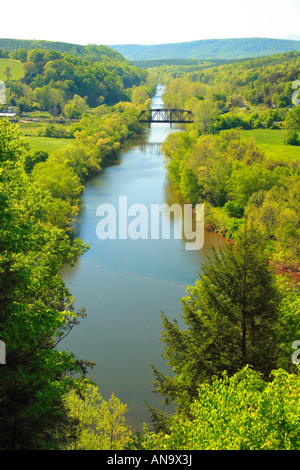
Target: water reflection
(153, 147)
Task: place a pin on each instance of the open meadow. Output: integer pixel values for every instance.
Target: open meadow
(271, 141)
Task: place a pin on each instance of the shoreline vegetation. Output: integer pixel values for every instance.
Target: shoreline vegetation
(40, 197)
(235, 382)
(241, 156)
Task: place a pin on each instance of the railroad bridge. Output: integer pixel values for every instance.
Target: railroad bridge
(171, 116)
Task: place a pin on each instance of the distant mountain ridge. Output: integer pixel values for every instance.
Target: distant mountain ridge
(88, 51)
(236, 48)
(239, 48)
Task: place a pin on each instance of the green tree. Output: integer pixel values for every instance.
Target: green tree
(245, 181)
(101, 423)
(139, 95)
(31, 160)
(289, 323)
(75, 108)
(57, 178)
(242, 412)
(7, 72)
(205, 115)
(283, 101)
(36, 311)
(231, 316)
(292, 137)
(49, 98)
(292, 120)
(189, 186)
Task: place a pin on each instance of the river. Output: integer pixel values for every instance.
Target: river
(125, 284)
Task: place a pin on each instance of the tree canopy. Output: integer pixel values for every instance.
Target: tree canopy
(231, 316)
(36, 310)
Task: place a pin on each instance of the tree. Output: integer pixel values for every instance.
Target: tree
(292, 120)
(57, 178)
(7, 72)
(75, 108)
(289, 323)
(37, 310)
(31, 160)
(49, 98)
(189, 186)
(102, 424)
(292, 137)
(205, 114)
(242, 412)
(283, 101)
(246, 180)
(230, 316)
(139, 95)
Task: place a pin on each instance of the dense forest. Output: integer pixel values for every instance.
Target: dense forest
(214, 161)
(235, 382)
(91, 52)
(52, 79)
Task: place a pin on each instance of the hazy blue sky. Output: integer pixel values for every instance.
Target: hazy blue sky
(150, 22)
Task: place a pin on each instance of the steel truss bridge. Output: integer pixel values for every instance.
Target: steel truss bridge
(172, 116)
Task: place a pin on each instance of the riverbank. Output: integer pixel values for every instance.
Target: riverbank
(124, 284)
(281, 267)
(237, 181)
(70, 163)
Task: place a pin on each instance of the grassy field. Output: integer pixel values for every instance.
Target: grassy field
(271, 141)
(47, 144)
(16, 69)
(29, 131)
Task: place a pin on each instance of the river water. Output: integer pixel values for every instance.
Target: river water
(125, 284)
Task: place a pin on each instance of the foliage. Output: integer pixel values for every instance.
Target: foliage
(231, 317)
(212, 159)
(235, 48)
(32, 159)
(39, 197)
(36, 310)
(75, 108)
(63, 82)
(19, 48)
(254, 93)
(54, 132)
(289, 322)
(242, 412)
(58, 179)
(276, 213)
(101, 424)
(292, 138)
(97, 138)
(229, 172)
(292, 120)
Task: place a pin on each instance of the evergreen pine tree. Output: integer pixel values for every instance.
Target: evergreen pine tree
(230, 316)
